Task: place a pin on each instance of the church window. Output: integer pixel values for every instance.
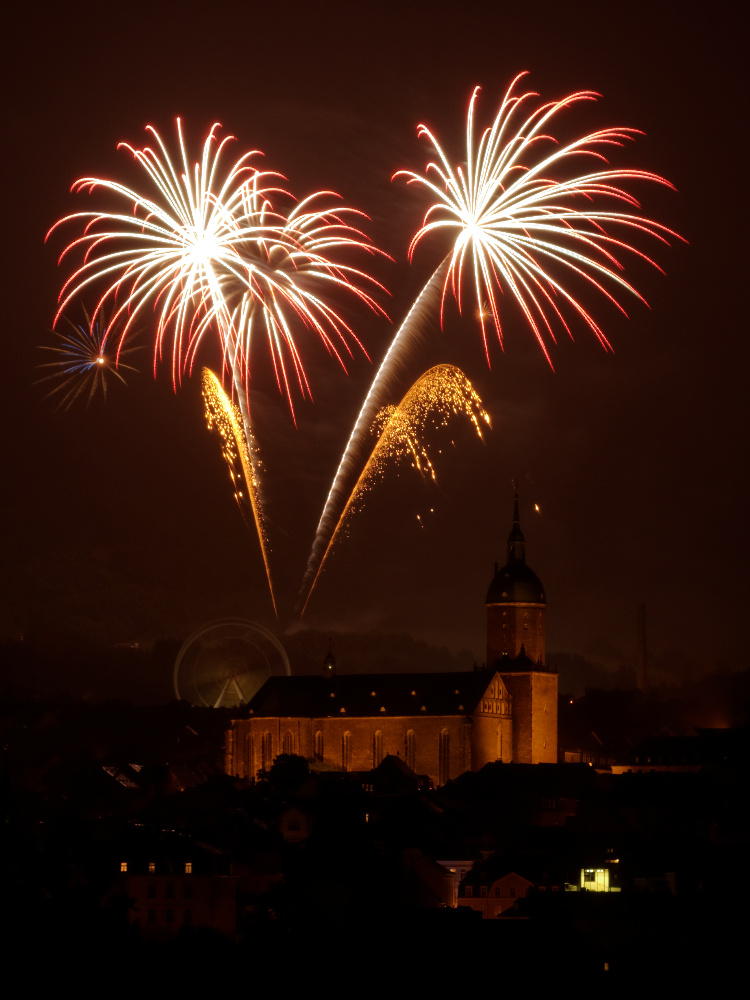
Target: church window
(346, 751)
(266, 751)
(288, 743)
(249, 757)
(318, 747)
(444, 757)
(377, 748)
(411, 749)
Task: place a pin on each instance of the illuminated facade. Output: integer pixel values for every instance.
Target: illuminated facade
(440, 724)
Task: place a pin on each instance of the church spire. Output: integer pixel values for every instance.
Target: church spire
(516, 541)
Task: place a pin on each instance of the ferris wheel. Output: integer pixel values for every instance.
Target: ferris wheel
(223, 664)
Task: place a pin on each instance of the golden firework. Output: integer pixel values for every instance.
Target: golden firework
(241, 457)
(435, 398)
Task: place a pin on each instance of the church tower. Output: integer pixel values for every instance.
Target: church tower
(516, 607)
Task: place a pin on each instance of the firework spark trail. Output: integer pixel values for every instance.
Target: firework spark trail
(82, 362)
(439, 394)
(510, 221)
(240, 454)
(403, 344)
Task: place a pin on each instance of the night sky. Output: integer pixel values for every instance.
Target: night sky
(119, 520)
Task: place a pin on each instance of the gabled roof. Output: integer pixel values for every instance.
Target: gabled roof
(368, 695)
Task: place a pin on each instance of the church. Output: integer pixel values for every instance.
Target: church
(439, 724)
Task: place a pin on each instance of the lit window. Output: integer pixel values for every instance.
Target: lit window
(595, 879)
(188, 867)
(123, 866)
(151, 867)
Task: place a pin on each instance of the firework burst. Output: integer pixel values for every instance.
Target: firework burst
(519, 211)
(84, 363)
(523, 217)
(204, 248)
(435, 398)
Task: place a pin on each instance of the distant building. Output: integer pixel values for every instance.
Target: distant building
(492, 897)
(173, 882)
(440, 724)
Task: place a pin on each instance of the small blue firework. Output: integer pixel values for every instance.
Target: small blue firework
(85, 360)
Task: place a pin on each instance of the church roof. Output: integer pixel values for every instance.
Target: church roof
(368, 695)
(515, 582)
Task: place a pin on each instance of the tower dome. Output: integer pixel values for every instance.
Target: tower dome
(515, 582)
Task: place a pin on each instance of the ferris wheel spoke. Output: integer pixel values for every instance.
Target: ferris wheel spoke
(227, 682)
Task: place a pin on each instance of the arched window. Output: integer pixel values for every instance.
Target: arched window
(444, 756)
(318, 746)
(377, 748)
(249, 757)
(266, 752)
(346, 751)
(410, 749)
(288, 743)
